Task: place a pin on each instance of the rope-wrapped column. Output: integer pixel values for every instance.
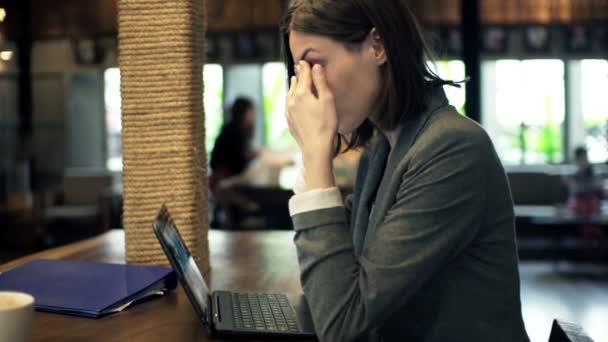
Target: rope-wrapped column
(161, 56)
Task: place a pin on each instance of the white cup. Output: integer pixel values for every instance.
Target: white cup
(16, 316)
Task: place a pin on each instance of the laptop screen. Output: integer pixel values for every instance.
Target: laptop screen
(182, 261)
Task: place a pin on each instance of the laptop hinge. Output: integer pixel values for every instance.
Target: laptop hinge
(217, 311)
(209, 315)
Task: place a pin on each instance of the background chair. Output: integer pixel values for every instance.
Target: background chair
(78, 211)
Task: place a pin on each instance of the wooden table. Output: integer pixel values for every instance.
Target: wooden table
(261, 261)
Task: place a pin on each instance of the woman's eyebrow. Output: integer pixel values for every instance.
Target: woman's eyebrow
(305, 53)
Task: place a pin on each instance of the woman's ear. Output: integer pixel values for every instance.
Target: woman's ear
(377, 47)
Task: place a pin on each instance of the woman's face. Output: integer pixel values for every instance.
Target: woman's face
(353, 75)
(250, 117)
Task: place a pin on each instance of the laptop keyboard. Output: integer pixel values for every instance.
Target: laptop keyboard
(263, 312)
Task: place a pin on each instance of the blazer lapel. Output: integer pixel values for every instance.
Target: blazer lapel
(370, 174)
(410, 128)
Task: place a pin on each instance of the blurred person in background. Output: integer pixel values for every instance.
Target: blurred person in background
(231, 155)
(585, 188)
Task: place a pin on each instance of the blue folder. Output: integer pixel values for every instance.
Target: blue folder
(87, 289)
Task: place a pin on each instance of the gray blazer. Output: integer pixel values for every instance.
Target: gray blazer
(436, 259)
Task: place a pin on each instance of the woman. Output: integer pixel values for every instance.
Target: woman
(425, 249)
(232, 151)
(230, 157)
(585, 189)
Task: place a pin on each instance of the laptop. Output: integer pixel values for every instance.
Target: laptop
(226, 312)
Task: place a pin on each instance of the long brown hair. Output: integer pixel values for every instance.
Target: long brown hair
(407, 80)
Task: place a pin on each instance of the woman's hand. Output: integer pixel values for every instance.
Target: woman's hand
(313, 122)
(312, 117)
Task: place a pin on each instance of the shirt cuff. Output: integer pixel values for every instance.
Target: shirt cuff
(314, 200)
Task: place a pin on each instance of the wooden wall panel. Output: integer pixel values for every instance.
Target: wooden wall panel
(90, 18)
(228, 14)
(73, 18)
(543, 11)
(232, 15)
(267, 13)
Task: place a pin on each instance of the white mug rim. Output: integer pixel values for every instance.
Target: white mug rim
(25, 300)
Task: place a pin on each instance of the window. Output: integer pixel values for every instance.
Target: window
(452, 70)
(213, 97)
(524, 109)
(113, 119)
(274, 78)
(245, 80)
(593, 90)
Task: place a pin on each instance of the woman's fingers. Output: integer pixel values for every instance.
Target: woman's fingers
(310, 107)
(292, 86)
(320, 83)
(304, 78)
